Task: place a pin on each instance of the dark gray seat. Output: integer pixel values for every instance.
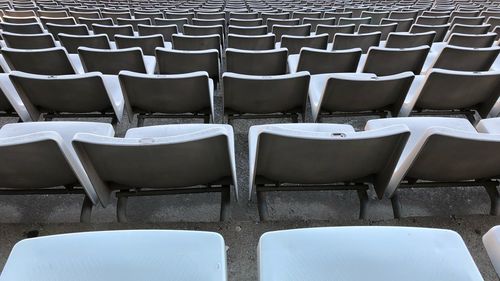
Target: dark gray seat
(148, 44)
(322, 61)
(169, 96)
(73, 42)
(255, 42)
(28, 41)
(410, 40)
(52, 61)
(251, 62)
(295, 43)
(259, 96)
(358, 93)
(389, 61)
(343, 41)
(466, 59)
(113, 61)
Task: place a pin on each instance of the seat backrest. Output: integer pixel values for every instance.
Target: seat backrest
(439, 29)
(258, 42)
(250, 62)
(448, 90)
(321, 61)
(356, 21)
(178, 62)
(271, 22)
(358, 93)
(193, 43)
(53, 14)
(196, 30)
(47, 93)
(88, 15)
(168, 162)
(475, 152)
(78, 29)
(112, 61)
(53, 61)
(389, 61)
(314, 22)
(343, 41)
(265, 94)
(91, 21)
(467, 20)
(73, 42)
(246, 22)
(403, 25)
(61, 21)
(470, 29)
(279, 16)
(210, 16)
(38, 163)
(148, 15)
(19, 20)
(331, 30)
(295, 43)
(115, 15)
(409, 40)
(466, 59)
(179, 22)
(384, 29)
(178, 93)
(296, 30)
(165, 30)
(243, 15)
(432, 20)
(375, 16)
(28, 41)
(403, 14)
(111, 31)
(25, 28)
(472, 40)
(148, 44)
(133, 22)
(247, 31)
(329, 157)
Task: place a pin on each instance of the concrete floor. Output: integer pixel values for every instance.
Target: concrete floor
(461, 209)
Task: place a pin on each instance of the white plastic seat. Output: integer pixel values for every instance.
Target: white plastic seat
(365, 253)
(76, 95)
(40, 156)
(123, 255)
(297, 157)
(168, 159)
(431, 157)
(358, 92)
(444, 91)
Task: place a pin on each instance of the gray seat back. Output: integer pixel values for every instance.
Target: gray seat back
(148, 44)
(166, 93)
(345, 94)
(387, 61)
(73, 42)
(410, 40)
(112, 61)
(28, 41)
(165, 30)
(331, 30)
(295, 43)
(25, 28)
(344, 41)
(80, 93)
(134, 22)
(252, 42)
(384, 29)
(321, 61)
(250, 62)
(295, 30)
(78, 29)
(247, 31)
(53, 61)
(447, 90)
(177, 62)
(111, 31)
(439, 29)
(195, 43)
(472, 40)
(265, 94)
(333, 159)
(466, 59)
